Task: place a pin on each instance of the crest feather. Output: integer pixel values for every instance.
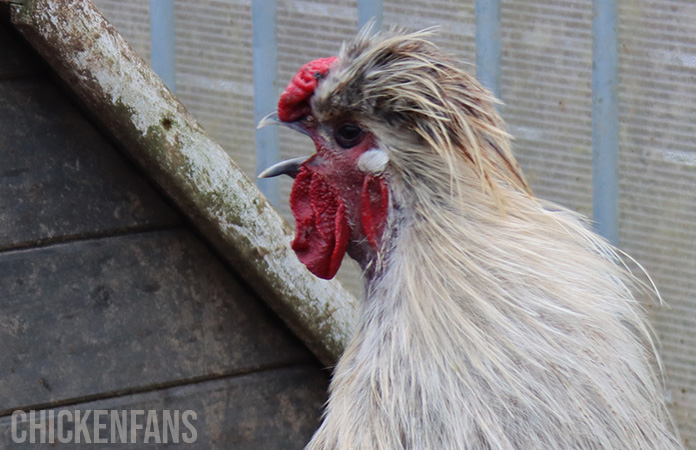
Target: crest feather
(405, 81)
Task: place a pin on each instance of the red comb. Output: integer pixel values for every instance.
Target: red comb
(294, 102)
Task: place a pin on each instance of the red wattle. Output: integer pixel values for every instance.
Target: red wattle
(322, 231)
(374, 205)
(294, 102)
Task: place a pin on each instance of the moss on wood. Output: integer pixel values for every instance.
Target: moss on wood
(154, 128)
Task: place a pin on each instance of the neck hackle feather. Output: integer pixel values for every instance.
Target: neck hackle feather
(492, 319)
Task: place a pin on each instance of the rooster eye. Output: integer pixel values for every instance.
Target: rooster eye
(348, 135)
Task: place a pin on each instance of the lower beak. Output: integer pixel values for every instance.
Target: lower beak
(290, 167)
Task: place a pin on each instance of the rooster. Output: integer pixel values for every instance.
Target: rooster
(491, 319)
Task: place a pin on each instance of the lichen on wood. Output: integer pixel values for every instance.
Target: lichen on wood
(154, 128)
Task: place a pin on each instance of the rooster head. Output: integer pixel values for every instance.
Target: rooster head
(390, 109)
(339, 195)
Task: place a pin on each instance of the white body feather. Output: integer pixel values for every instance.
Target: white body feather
(512, 334)
(491, 320)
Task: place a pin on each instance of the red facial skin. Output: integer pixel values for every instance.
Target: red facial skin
(337, 207)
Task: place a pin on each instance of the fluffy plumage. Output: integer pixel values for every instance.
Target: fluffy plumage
(492, 319)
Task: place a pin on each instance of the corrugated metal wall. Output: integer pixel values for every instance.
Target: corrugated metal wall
(658, 176)
(546, 75)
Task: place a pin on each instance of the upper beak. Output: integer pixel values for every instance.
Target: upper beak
(289, 167)
(273, 119)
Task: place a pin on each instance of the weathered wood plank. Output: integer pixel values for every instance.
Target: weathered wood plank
(17, 58)
(60, 177)
(275, 409)
(155, 129)
(124, 313)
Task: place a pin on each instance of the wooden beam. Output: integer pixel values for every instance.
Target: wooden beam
(155, 129)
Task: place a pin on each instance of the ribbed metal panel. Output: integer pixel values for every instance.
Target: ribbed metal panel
(546, 85)
(215, 75)
(657, 89)
(453, 21)
(547, 64)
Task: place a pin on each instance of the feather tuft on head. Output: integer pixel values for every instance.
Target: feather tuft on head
(400, 81)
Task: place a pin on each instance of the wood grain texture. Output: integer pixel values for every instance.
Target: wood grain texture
(60, 177)
(17, 58)
(129, 313)
(275, 409)
(155, 130)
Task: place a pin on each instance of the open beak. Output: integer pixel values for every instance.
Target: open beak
(273, 119)
(290, 167)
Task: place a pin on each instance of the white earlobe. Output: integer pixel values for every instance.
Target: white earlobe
(373, 161)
